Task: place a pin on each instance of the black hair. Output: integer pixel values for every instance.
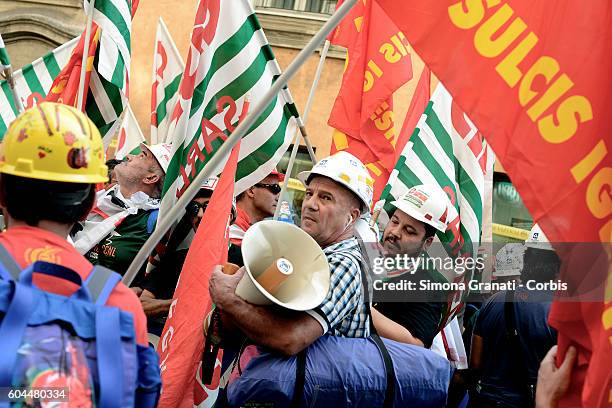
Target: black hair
(33, 200)
(430, 231)
(112, 163)
(540, 265)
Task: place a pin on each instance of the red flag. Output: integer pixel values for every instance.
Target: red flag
(66, 85)
(419, 101)
(182, 341)
(534, 76)
(378, 63)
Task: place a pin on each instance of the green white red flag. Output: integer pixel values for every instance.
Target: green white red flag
(168, 67)
(33, 82)
(447, 150)
(229, 64)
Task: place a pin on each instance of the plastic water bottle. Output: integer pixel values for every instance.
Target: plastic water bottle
(285, 213)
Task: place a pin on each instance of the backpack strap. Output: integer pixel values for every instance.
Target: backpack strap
(110, 357)
(300, 378)
(100, 283)
(8, 266)
(389, 369)
(515, 346)
(12, 329)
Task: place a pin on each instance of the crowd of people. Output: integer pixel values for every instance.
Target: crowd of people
(63, 205)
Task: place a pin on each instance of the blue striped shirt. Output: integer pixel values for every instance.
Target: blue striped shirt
(343, 312)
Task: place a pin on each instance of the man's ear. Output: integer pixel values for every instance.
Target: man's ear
(355, 214)
(250, 192)
(427, 243)
(151, 179)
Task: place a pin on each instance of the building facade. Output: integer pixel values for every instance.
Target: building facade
(31, 28)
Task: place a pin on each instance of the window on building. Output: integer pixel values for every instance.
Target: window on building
(508, 207)
(302, 161)
(311, 6)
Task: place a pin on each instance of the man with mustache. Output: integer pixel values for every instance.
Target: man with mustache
(418, 214)
(338, 191)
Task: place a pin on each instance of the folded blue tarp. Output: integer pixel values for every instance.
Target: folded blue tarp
(343, 372)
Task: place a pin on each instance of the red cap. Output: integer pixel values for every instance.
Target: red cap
(281, 176)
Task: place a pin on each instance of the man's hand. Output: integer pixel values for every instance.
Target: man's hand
(552, 381)
(153, 306)
(136, 290)
(222, 287)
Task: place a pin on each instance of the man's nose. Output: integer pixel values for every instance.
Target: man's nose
(310, 203)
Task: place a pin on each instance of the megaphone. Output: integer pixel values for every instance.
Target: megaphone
(284, 266)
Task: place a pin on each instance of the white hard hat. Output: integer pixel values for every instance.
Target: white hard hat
(426, 203)
(162, 152)
(509, 260)
(537, 239)
(347, 170)
(210, 183)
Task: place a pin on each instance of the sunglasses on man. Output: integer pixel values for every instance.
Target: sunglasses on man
(193, 208)
(273, 188)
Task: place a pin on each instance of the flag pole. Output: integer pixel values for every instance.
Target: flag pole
(8, 74)
(80, 94)
(244, 126)
(313, 88)
(302, 130)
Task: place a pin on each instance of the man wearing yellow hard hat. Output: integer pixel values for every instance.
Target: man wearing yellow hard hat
(51, 158)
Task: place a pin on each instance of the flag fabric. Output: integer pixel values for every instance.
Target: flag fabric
(114, 17)
(182, 341)
(33, 82)
(534, 77)
(448, 151)
(378, 63)
(65, 87)
(168, 67)
(588, 327)
(229, 64)
(536, 82)
(109, 86)
(419, 101)
(130, 135)
(5, 62)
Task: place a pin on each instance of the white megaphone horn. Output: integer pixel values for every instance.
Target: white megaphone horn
(284, 265)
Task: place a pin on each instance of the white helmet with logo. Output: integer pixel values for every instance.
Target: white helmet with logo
(426, 203)
(347, 170)
(509, 260)
(163, 154)
(538, 240)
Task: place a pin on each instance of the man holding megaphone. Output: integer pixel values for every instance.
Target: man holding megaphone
(338, 190)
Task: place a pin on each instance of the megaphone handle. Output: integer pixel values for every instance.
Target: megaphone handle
(211, 348)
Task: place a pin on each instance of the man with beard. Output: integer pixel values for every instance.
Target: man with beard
(338, 190)
(417, 216)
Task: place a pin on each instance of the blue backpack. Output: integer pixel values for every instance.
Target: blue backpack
(71, 347)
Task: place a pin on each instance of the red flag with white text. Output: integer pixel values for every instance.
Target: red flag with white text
(182, 341)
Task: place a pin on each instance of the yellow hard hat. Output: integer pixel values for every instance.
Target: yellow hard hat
(54, 142)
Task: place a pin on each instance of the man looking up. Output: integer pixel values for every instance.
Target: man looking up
(125, 215)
